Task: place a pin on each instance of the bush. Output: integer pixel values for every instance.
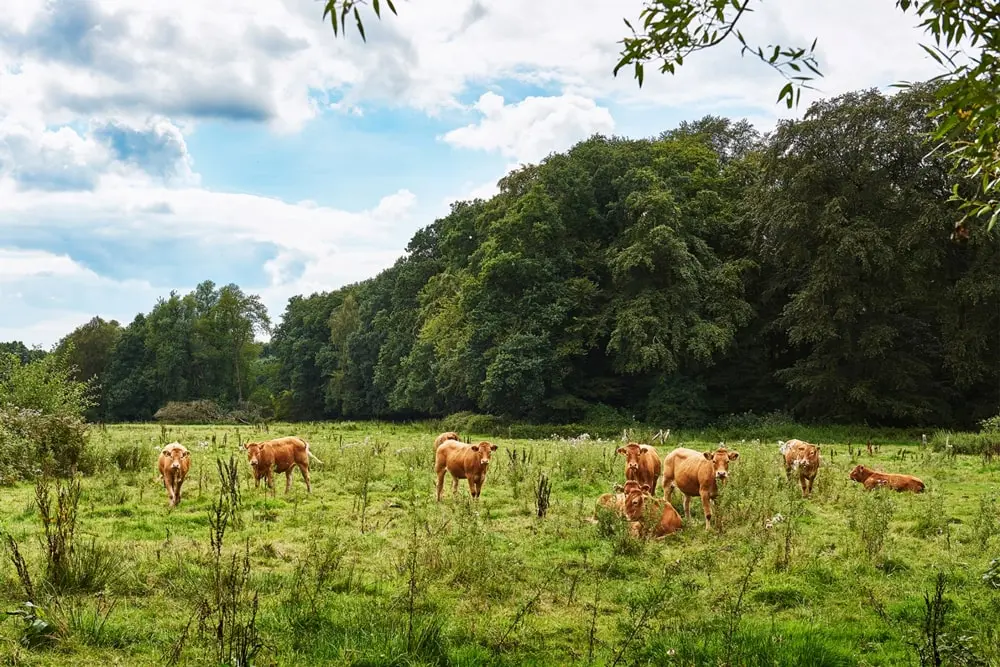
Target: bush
(206, 412)
(41, 418)
(32, 442)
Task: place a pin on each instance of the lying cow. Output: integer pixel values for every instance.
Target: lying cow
(634, 503)
(872, 478)
(642, 464)
(463, 461)
(696, 474)
(804, 458)
(174, 462)
(450, 435)
(281, 455)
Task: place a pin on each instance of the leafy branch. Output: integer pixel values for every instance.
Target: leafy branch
(340, 10)
(672, 30)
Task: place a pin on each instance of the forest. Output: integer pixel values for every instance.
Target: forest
(708, 273)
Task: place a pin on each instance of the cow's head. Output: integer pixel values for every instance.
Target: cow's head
(859, 473)
(485, 449)
(635, 500)
(720, 459)
(253, 452)
(632, 451)
(176, 453)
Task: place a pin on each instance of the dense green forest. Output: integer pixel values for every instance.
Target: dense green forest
(708, 272)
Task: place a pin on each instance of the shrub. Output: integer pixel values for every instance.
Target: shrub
(41, 417)
(32, 442)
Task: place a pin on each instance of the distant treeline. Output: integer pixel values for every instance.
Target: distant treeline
(708, 272)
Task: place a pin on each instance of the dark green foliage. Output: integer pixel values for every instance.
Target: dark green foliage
(709, 275)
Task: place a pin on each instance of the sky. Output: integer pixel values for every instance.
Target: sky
(148, 146)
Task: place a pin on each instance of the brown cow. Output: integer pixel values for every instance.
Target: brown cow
(804, 457)
(463, 461)
(635, 504)
(642, 463)
(696, 474)
(872, 478)
(627, 501)
(450, 435)
(174, 462)
(283, 455)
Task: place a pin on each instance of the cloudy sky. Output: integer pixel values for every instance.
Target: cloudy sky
(147, 146)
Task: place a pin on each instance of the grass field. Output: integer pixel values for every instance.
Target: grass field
(370, 570)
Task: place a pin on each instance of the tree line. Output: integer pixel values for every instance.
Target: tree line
(707, 272)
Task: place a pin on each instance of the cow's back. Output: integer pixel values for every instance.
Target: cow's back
(685, 469)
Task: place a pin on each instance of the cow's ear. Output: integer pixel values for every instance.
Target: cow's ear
(643, 449)
(733, 456)
(620, 450)
(185, 454)
(619, 488)
(708, 455)
(493, 448)
(645, 488)
(475, 448)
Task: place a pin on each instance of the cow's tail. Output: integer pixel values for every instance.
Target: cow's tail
(311, 455)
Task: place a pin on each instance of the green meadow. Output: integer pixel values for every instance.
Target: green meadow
(370, 570)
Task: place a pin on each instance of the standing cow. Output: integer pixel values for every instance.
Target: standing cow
(803, 457)
(174, 462)
(281, 455)
(642, 464)
(463, 461)
(696, 474)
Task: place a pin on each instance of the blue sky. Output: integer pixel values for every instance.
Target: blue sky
(145, 147)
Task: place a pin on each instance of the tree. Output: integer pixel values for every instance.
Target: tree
(88, 347)
(671, 31)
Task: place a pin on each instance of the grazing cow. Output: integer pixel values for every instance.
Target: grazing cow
(174, 462)
(282, 455)
(803, 457)
(696, 474)
(872, 478)
(642, 463)
(463, 461)
(450, 435)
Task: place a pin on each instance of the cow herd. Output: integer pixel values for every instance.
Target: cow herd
(693, 473)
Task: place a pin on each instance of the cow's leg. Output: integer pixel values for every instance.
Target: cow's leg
(177, 494)
(305, 475)
(668, 486)
(472, 486)
(706, 504)
(804, 483)
(454, 485)
(687, 506)
(440, 487)
(288, 478)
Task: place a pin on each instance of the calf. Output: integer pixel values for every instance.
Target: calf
(174, 462)
(450, 435)
(696, 474)
(803, 457)
(642, 464)
(282, 455)
(871, 478)
(463, 461)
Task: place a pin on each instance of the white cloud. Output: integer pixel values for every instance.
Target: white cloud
(17, 264)
(529, 130)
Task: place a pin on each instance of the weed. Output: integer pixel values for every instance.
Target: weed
(543, 491)
(870, 518)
